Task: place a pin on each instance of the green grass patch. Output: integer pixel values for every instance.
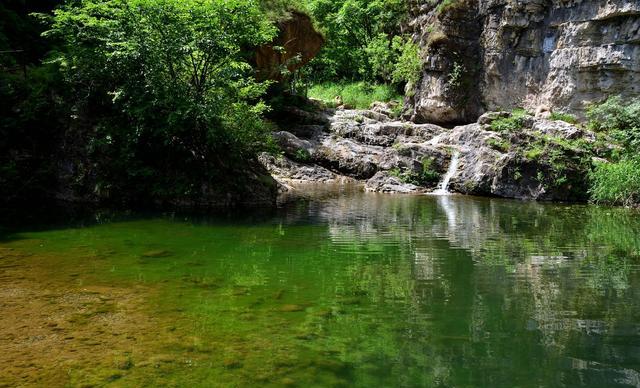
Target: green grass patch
(499, 144)
(357, 95)
(447, 5)
(620, 120)
(617, 183)
(534, 153)
(567, 118)
(510, 124)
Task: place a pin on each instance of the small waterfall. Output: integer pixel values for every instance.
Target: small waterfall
(443, 187)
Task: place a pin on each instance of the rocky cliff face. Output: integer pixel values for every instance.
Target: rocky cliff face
(297, 43)
(543, 55)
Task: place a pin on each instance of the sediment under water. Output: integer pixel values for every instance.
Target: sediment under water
(343, 290)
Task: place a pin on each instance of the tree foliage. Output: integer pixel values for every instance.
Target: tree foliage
(617, 182)
(171, 84)
(618, 119)
(360, 39)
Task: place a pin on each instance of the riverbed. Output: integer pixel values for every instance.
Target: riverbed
(341, 289)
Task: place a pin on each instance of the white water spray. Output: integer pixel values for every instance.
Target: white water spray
(443, 187)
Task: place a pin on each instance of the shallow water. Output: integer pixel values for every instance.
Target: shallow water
(352, 289)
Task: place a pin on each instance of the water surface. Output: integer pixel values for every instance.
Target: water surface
(351, 289)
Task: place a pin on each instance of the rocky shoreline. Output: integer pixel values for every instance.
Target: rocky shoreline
(503, 154)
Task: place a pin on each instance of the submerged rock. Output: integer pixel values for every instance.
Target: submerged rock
(155, 254)
(291, 308)
(232, 363)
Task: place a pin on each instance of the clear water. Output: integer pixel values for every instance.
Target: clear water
(354, 289)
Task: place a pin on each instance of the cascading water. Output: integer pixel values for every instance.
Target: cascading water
(443, 187)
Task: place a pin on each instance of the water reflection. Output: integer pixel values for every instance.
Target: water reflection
(362, 289)
(493, 286)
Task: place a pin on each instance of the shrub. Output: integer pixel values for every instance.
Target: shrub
(175, 101)
(566, 117)
(618, 119)
(617, 183)
(428, 176)
(455, 75)
(302, 155)
(409, 64)
(511, 123)
(447, 5)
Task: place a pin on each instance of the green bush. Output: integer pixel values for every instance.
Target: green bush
(618, 119)
(359, 35)
(512, 123)
(617, 183)
(447, 5)
(358, 95)
(499, 144)
(174, 103)
(409, 64)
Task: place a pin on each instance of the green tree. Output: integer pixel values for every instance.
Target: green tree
(354, 29)
(168, 86)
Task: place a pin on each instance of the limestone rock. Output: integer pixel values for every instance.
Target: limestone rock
(541, 159)
(384, 182)
(542, 55)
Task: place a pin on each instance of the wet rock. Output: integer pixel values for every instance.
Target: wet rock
(231, 363)
(384, 182)
(403, 157)
(291, 308)
(156, 254)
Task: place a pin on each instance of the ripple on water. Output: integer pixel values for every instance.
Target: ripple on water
(354, 290)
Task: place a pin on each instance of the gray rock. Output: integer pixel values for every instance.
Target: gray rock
(384, 182)
(543, 55)
(404, 157)
(291, 144)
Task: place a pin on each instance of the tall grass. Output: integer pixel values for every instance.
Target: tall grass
(617, 183)
(358, 95)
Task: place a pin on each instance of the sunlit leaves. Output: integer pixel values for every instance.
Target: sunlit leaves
(170, 78)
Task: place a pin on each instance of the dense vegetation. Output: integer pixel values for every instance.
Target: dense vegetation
(156, 100)
(30, 107)
(366, 49)
(618, 182)
(178, 102)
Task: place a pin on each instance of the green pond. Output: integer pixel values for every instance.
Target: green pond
(344, 289)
